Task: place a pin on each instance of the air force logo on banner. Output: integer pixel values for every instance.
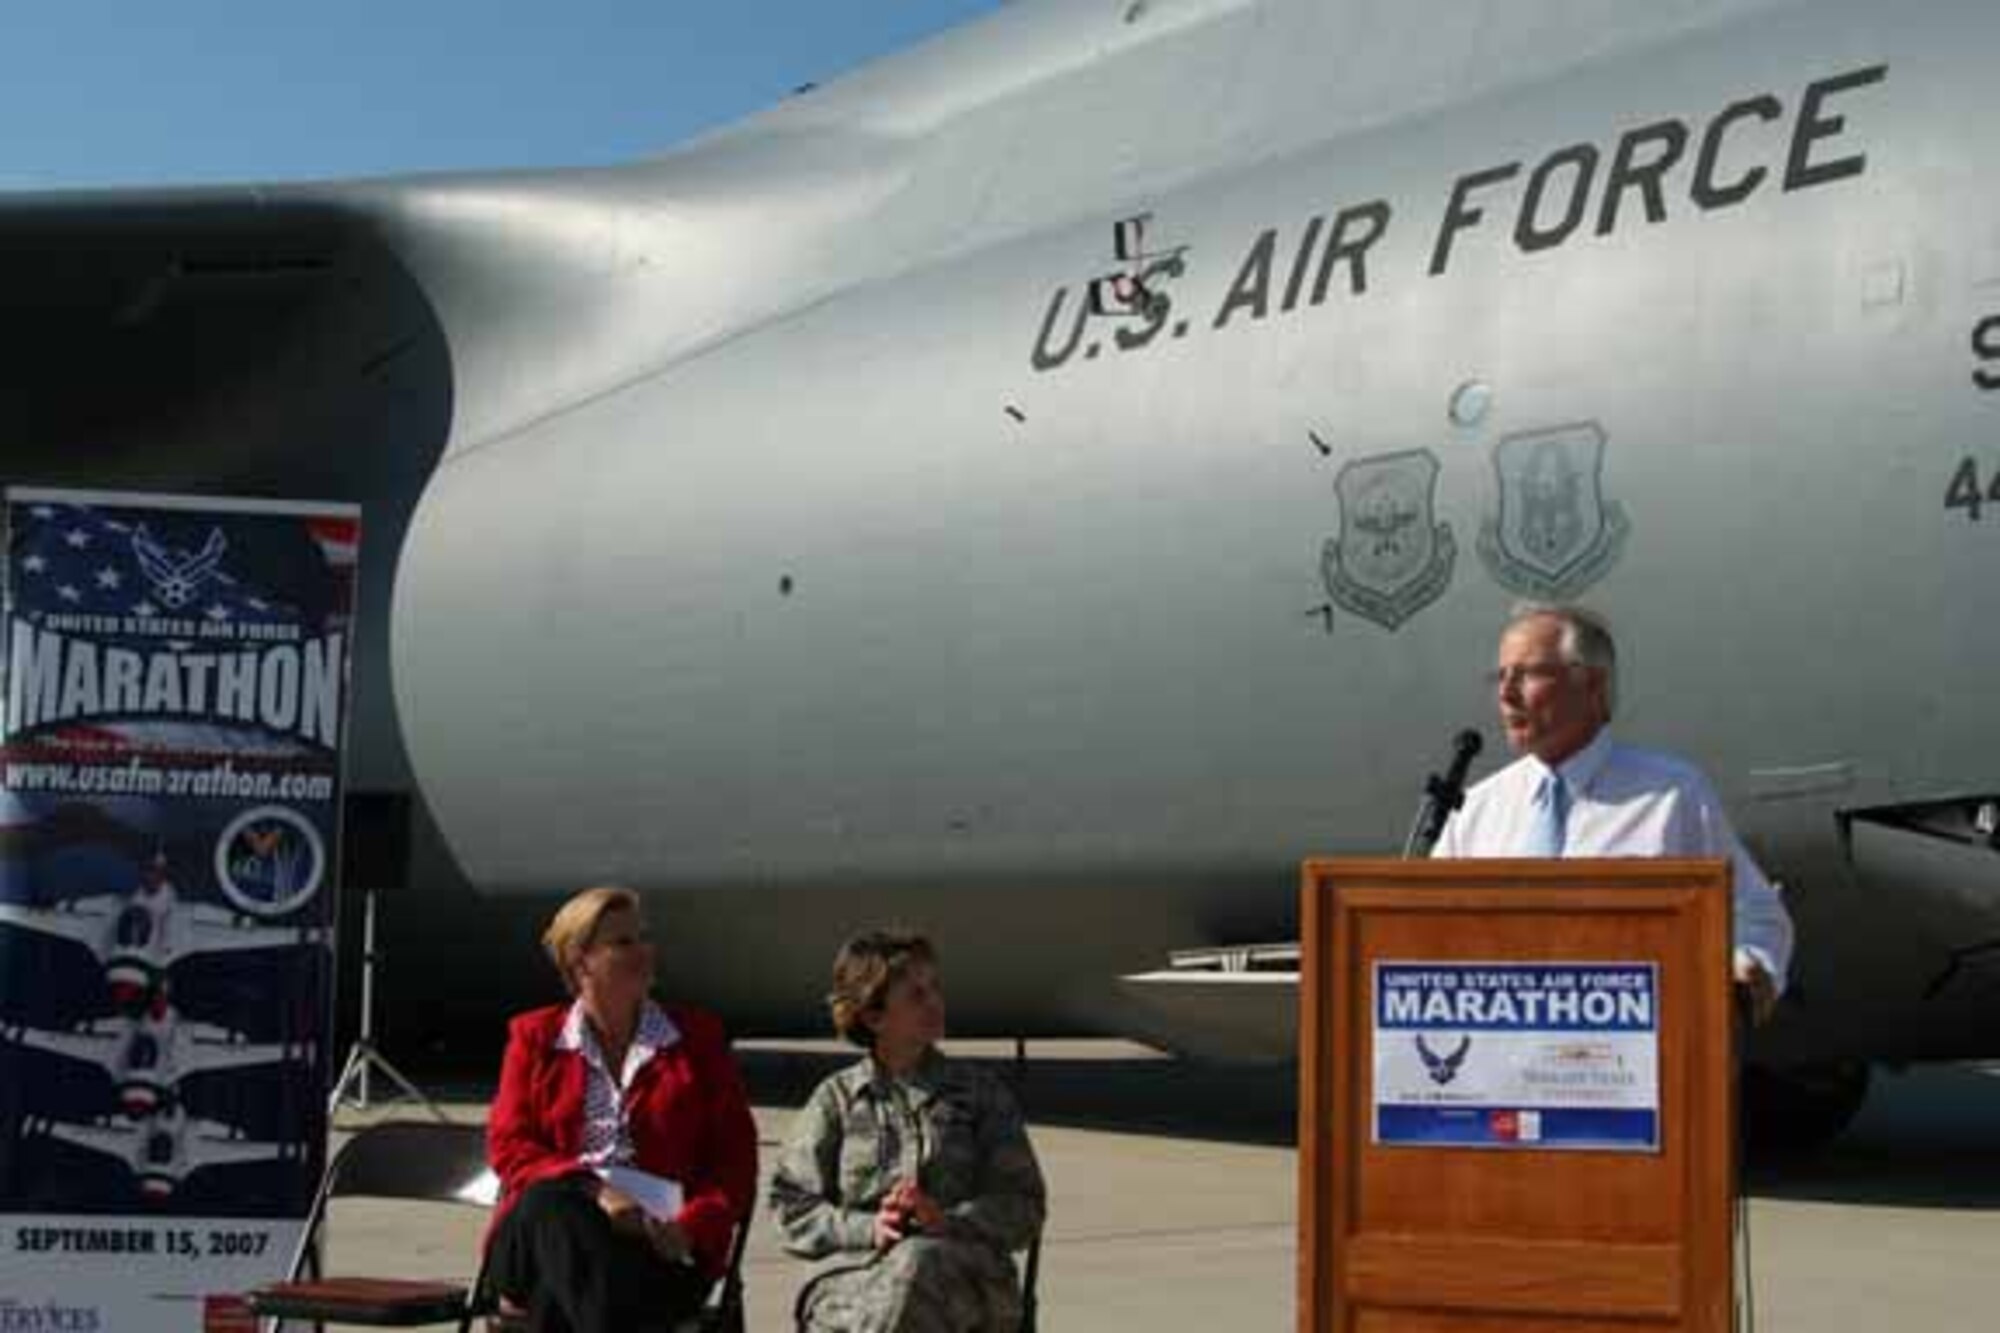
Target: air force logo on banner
(1392, 559)
(177, 575)
(1555, 533)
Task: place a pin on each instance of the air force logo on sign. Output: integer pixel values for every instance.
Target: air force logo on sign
(177, 576)
(1392, 559)
(1443, 1068)
(1555, 533)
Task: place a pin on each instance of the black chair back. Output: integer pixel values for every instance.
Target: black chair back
(422, 1160)
(411, 1159)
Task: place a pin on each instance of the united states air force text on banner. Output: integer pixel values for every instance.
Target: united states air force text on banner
(1546, 1055)
(176, 697)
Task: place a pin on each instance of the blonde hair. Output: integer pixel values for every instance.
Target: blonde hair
(864, 970)
(575, 925)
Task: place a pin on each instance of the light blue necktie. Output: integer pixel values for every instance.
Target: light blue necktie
(1549, 827)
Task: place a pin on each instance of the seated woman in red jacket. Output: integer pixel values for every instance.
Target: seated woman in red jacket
(621, 1136)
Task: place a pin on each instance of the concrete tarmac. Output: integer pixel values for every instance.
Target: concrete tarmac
(1172, 1201)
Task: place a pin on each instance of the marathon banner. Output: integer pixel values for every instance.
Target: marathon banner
(1546, 1055)
(175, 698)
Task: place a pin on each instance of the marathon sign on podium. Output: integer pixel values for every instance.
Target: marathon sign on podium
(176, 691)
(1515, 1096)
(1504, 1054)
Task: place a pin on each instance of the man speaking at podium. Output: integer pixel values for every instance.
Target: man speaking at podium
(1576, 792)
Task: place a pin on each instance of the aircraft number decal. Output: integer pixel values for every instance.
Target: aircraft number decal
(1969, 492)
(1986, 346)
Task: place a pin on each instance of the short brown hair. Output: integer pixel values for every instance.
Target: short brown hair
(575, 925)
(864, 970)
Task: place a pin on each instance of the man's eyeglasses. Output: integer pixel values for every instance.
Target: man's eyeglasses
(1522, 673)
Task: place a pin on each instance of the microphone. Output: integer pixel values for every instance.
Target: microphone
(1464, 747)
(1442, 795)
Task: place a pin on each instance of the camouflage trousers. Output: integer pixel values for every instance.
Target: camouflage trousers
(926, 1284)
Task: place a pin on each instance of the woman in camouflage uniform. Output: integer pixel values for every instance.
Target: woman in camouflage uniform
(908, 1177)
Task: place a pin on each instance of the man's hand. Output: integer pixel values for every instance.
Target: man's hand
(1758, 990)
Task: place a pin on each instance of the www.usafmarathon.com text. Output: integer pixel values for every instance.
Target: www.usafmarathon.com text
(134, 777)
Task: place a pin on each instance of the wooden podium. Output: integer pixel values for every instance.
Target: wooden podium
(1476, 1190)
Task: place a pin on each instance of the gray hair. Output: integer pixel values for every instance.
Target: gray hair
(1585, 641)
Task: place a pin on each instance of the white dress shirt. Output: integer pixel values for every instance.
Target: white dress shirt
(1625, 801)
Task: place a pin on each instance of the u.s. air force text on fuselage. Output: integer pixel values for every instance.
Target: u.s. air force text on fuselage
(1752, 144)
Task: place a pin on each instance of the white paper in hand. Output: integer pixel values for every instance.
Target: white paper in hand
(659, 1196)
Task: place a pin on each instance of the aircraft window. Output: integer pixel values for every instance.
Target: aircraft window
(135, 928)
(160, 1149)
(142, 1052)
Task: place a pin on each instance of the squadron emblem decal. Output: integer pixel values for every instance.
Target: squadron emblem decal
(1391, 559)
(270, 861)
(1555, 533)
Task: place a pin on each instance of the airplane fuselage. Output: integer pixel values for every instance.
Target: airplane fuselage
(942, 586)
(854, 515)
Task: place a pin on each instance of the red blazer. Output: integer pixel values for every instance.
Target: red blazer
(686, 1109)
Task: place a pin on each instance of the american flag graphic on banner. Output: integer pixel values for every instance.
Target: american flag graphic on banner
(76, 559)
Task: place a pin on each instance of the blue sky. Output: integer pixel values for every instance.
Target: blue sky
(137, 92)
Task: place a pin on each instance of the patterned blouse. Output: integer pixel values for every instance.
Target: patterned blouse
(607, 1140)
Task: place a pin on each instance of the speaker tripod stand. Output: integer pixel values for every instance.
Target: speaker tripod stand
(351, 1088)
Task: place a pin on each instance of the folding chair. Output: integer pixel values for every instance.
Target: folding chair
(724, 1311)
(1031, 1271)
(399, 1159)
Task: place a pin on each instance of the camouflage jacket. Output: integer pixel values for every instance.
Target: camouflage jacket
(953, 1126)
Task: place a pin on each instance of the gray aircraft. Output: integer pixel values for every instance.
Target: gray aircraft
(1047, 483)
